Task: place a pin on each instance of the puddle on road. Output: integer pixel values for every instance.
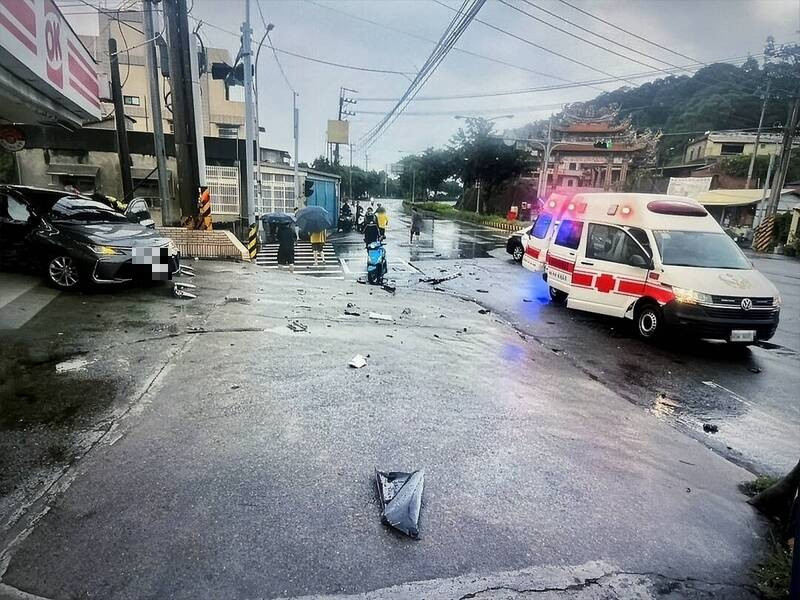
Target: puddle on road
(75, 364)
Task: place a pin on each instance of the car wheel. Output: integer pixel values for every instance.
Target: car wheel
(649, 321)
(518, 253)
(558, 296)
(63, 272)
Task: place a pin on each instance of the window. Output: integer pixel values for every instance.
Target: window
(613, 244)
(570, 182)
(228, 131)
(131, 100)
(542, 226)
(700, 249)
(14, 210)
(573, 166)
(732, 149)
(691, 155)
(641, 236)
(569, 234)
(86, 211)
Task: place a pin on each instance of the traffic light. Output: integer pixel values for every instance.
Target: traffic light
(604, 144)
(308, 188)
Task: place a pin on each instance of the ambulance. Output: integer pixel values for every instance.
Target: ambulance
(537, 239)
(662, 261)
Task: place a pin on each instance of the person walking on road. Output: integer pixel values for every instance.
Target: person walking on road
(416, 225)
(383, 219)
(286, 237)
(318, 246)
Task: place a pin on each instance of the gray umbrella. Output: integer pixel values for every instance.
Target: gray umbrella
(277, 218)
(313, 218)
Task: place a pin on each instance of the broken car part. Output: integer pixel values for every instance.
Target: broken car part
(401, 498)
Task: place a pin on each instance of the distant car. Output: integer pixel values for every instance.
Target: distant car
(516, 243)
(73, 240)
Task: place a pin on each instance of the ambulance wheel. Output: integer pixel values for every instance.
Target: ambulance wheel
(518, 253)
(649, 321)
(558, 296)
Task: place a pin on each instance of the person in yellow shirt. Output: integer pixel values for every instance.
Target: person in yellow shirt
(383, 220)
(318, 246)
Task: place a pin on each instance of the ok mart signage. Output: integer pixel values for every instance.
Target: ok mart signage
(38, 46)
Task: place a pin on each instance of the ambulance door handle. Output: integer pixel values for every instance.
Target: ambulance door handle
(586, 262)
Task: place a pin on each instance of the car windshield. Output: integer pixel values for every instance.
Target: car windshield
(84, 211)
(703, 249)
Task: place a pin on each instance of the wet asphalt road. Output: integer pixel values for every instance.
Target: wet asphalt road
(750, 394)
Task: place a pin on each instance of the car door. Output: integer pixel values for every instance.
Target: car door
(611, 270)
(16, 222)
(562, 253)
(536, 243)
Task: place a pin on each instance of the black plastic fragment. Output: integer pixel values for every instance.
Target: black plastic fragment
(401, 498)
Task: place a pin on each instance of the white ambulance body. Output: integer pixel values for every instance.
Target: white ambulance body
(661, 260)
(541, 233)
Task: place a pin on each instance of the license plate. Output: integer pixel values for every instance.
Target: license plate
(743, 335)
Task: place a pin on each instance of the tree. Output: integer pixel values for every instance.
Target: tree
(481, 156)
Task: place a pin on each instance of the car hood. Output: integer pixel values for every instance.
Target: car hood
(720, 282)
(125, 235)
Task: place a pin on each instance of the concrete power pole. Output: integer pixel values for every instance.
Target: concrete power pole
(180, 77)
(119, 117)
(249, 118)
(296, 113)
(786, 151)
(758, 137)
(167, 212)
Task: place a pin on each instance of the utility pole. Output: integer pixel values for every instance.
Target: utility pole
(758, 137)
(366, 161)
(350, 170)
(413, 184)
(478, 198)
(296, 113)
(343, 112)
(786, 151)
(386, 182)
(761, 208)
(545, 164)
(167, 212)
(249, 119)
(119, 117)
(180, 77)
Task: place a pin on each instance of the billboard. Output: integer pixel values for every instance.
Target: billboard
(338, 132)
(38, 47)
(688, 186)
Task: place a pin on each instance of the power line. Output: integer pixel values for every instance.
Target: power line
(656, 44)
(430, 41)
(572, 35)
(449, 37)
(535, 45)
(313, 59)
(589, 31)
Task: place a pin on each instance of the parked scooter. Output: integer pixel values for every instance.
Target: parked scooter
(376, 263)
(345, 222)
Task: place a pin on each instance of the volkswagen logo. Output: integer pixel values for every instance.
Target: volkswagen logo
(746, 304)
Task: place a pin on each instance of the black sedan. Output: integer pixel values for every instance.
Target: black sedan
(73, 240)
(515, 244)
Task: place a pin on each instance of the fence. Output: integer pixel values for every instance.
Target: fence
(223, 182)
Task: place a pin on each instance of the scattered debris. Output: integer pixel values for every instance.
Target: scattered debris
(351, 305)
(438, 280)
(75, 364)
(235, 386)
(297, 326)
(686, 462)
(238, 299)
(688, 490)
(755, 369)
(484, 311)
(436, 335)
(389, 335)
(358, 361)
(352, 313)
(406, 311)
(401, 498)
(442, 316)
(389, 287)
(380, 317)
(482, 291)
(179, 291)
(438, 289)
(527, 300)
(710, 428)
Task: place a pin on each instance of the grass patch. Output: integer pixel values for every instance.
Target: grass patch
(773, 573)
(758, 485)
(447, 210)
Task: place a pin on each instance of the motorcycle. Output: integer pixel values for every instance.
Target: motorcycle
(376, 263)
(345, 222)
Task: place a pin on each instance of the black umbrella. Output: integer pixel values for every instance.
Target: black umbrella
(313, 218)
(277, 218)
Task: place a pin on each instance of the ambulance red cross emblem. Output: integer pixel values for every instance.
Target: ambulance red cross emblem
(605, 283)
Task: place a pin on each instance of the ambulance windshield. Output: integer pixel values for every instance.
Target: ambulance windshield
(699, 249)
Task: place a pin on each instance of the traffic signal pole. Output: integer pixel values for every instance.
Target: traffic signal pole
(119, 118)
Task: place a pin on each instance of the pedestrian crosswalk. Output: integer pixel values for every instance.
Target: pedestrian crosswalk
(303, 260)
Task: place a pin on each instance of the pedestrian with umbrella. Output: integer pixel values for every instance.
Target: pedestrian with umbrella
(283, 228)
(314, 220)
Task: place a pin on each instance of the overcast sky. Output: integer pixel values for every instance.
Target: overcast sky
(706, 30)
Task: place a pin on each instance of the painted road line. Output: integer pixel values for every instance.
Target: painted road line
(26, 306)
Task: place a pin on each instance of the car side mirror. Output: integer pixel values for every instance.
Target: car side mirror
(637, 260)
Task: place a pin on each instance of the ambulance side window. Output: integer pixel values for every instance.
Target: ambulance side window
(541, 226)
(569, 234)
(641, 236)
(605, 242)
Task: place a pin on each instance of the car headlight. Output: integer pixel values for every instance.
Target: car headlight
(777, 301)
(104, 250)
(691, 296)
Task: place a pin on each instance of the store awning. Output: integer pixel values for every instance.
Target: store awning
(732, 197)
